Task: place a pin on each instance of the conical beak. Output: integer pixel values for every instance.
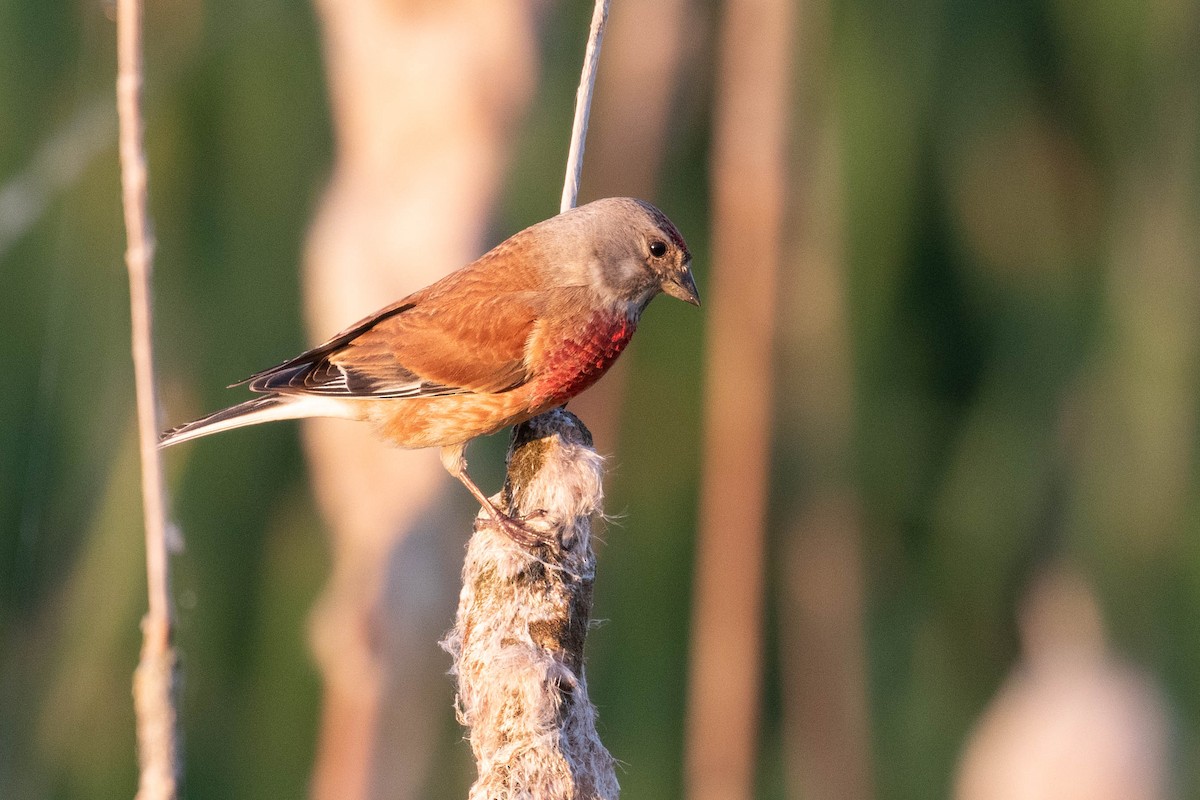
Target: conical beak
(682, 286)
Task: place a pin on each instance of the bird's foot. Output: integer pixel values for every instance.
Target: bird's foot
(520, 529)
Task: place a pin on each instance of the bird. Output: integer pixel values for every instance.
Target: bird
(521, 330)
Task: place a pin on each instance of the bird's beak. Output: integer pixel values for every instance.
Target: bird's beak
(682, 286)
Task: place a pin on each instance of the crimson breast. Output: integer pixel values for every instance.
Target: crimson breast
(580, 360)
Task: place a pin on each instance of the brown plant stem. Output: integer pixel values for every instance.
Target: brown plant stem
(749, 196)
(155, 678)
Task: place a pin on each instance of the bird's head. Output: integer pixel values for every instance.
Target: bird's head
(633, 252)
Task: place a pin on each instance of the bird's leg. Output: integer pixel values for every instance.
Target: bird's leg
(455, 462)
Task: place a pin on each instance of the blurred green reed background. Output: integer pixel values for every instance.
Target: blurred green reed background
(1018, 197)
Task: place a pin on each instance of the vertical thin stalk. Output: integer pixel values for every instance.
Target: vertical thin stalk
(583, 105)
(154, 680)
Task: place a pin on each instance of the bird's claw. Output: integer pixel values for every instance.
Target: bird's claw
(519, 530)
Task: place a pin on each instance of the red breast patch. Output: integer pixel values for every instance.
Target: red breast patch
(579, 361)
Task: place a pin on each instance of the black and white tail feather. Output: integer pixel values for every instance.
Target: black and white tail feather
(312, 385)
(268, 408)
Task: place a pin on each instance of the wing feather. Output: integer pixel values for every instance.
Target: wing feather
(465, 333)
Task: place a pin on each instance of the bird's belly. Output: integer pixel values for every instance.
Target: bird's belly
(569, 367)
(440, 421)
(579, 361)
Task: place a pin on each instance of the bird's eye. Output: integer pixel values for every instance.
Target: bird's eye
(658, 249)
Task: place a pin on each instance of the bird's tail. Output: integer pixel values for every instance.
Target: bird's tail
(267, 408)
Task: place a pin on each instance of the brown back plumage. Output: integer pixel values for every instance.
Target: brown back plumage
(464, 333)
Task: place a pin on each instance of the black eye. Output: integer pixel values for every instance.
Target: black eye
(658, 249)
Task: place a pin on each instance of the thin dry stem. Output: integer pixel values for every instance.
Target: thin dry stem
(583, 106)
(154, 680)
(522, 622)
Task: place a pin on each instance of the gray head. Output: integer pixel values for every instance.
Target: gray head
(632, 253)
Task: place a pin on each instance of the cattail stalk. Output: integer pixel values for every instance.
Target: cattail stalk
(583, 106)
(522, 622)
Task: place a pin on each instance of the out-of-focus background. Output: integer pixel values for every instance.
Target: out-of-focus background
(908, 510)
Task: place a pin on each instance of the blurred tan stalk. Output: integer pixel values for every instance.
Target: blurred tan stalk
(424, 98)
(822, 644)
(749, 172)
(154, 682)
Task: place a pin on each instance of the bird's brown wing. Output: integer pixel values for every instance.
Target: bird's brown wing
(462, 334)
